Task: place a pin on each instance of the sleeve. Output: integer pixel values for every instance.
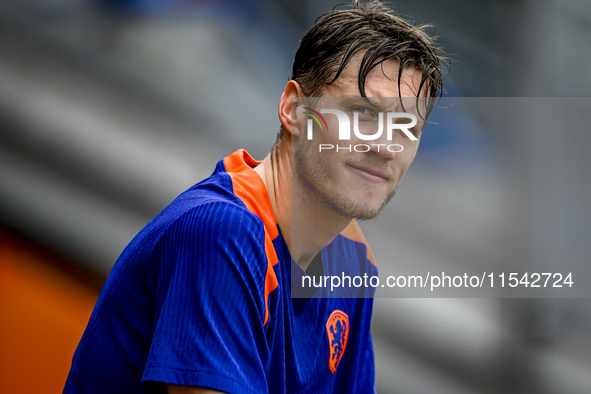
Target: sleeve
(209, 302)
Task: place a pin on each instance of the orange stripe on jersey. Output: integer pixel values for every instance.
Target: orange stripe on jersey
(249, 187)
(354, 233)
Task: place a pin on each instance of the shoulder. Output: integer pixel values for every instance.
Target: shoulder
(206, 216)
(215, 223)
(216, 243)
(210, 206)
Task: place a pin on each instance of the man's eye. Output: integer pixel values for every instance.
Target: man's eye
(364, 112)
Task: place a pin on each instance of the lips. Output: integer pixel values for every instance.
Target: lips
(370, 173)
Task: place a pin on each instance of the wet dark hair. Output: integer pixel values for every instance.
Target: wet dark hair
(375, 28)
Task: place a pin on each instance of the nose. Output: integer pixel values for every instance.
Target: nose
(382, 147)
(384, 150)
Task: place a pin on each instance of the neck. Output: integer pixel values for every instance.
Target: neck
(312, 225)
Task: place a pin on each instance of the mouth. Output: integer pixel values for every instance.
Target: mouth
(369, 173)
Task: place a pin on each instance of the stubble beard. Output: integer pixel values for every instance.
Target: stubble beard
(313, 176)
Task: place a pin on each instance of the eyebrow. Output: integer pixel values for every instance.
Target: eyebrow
(386, 104)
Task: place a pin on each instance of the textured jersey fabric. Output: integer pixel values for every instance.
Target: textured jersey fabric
(202, 297)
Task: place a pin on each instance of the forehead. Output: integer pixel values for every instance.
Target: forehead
(381, 81)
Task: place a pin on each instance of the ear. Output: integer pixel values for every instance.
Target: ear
(292, 90)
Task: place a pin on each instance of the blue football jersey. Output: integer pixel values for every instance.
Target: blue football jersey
(202, 296)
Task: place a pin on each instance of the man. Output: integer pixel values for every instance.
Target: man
(201, 299)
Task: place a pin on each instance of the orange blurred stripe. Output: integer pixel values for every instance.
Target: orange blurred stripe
(43, 313)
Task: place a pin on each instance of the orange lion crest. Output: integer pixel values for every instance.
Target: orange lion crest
(337, 328)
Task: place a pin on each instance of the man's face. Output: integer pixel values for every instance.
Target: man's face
(359, 184)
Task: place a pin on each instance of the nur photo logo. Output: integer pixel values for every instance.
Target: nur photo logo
(390, 119)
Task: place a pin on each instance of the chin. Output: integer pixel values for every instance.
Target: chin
(357, 208)
(370, 208)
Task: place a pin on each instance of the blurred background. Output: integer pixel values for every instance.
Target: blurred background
(111, 108)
